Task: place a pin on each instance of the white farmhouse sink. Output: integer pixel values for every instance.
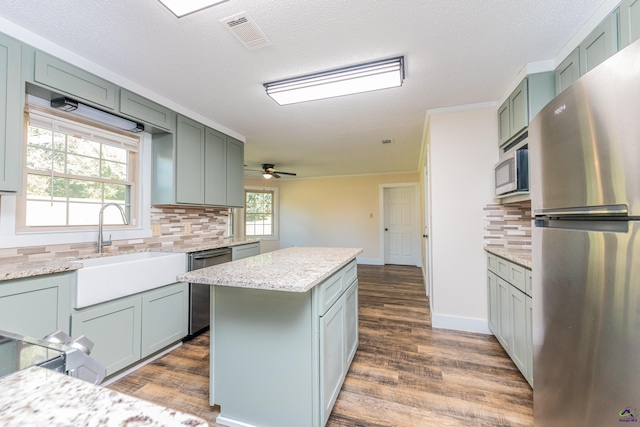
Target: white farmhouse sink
(110, 277)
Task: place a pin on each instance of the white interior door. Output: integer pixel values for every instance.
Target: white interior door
(401, 236)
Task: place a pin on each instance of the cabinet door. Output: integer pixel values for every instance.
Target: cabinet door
(519, 108)
(629, 22)
(189, 162)
(35, 306)
(10, 116)
(504, 126)
(518, 326)
(142, 109)
(235, 173)
(492, 302)
(504, 323)
(165, 314)
(332, 357)
(600, 44)
(529, 321)
(215, 168)
(351, 322)
(568, 71)
(115, 328)
(528, 282)
(77, 83)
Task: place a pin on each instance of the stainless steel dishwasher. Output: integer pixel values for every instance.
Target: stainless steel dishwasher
(199, 295)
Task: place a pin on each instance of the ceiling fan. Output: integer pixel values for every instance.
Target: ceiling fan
(268, 172)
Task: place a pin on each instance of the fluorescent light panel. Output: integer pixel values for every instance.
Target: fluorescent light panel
(181, 8)
(367, 77)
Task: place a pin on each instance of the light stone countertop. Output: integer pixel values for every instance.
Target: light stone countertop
(40, 397)
(60, 265)
(295, 269)
(518, 256)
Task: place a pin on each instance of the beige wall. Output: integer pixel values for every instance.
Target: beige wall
(335, 211)
(463, 150)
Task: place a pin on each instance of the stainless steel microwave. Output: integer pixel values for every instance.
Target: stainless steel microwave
(511, 173)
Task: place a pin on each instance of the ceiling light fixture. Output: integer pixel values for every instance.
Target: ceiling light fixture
(82, 110)
(383, 74)
(267, 175)
(182, 8)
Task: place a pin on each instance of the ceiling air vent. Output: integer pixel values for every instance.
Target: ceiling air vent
(386, 141)
(246, 31)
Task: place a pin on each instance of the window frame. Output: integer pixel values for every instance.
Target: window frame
(275, 213)
(127, 141)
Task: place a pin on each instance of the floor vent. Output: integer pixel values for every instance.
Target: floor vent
(246, 31)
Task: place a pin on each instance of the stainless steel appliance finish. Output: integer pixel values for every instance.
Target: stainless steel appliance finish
(511, 173)
(585, 166)
(200, 295)
(70, 356)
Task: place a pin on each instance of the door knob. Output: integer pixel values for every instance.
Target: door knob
(386, 229)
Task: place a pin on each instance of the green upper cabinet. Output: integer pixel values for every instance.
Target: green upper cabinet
(215, 173)
(11, 93)
(526, 100)
(189, 161)
(141, 109)
(629, 22)
(73, 81)
(197, 166)
(568, 71)
(600, 44)
(235, 173)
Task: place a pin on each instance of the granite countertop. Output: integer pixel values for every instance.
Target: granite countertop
(518, 256)
(41, 397)
(60, 265)
(296, 269)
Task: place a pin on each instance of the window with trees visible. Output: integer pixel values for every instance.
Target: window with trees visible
(72, 169)
(259, 213)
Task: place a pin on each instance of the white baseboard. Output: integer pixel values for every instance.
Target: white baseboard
(466, 324)
(231, 423)
(370, 261)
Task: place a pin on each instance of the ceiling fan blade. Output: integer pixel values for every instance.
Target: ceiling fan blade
(275, 175)
(287, 173)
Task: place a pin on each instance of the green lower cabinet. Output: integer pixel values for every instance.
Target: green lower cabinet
(36, 306)
(529, 320)
(165, 315)
(518, 326)
(245, 251)
(115, 329)
(504, 323)
(492, 301)
(351, 315)
(131, 328)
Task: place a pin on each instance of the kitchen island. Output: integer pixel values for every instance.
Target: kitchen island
(284, 332)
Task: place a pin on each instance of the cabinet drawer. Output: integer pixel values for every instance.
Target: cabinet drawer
(516, 276)
(245, 251)
(74, 81)
(350, 273)
(502, 268)
(330, 291)
(147, 111)
(528, 280)
(492, 263)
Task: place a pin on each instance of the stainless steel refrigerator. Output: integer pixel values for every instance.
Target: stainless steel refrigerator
(585, 169)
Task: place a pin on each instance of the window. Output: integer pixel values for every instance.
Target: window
(72, 169)
(260, 212)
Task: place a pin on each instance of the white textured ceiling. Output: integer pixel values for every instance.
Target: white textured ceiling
(456, 53)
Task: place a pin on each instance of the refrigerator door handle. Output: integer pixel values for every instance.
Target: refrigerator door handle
(606, 210)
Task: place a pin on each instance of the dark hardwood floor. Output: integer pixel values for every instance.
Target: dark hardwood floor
(404, 373)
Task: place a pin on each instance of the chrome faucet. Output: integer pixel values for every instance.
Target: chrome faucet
(101, 242)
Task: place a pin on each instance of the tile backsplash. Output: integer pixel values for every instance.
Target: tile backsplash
(508, 226)
(170, 225)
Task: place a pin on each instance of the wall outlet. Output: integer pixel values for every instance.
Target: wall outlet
(156, 229)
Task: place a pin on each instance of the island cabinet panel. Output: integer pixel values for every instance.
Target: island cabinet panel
(278, 358)
(10, 116)
(165, 317)
(262, 354)
(73, 81)
(36, 306)
(115, 328)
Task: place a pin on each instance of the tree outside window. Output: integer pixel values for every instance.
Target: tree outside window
(259, 213)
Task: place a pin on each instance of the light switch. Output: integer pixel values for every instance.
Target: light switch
(371, 215)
